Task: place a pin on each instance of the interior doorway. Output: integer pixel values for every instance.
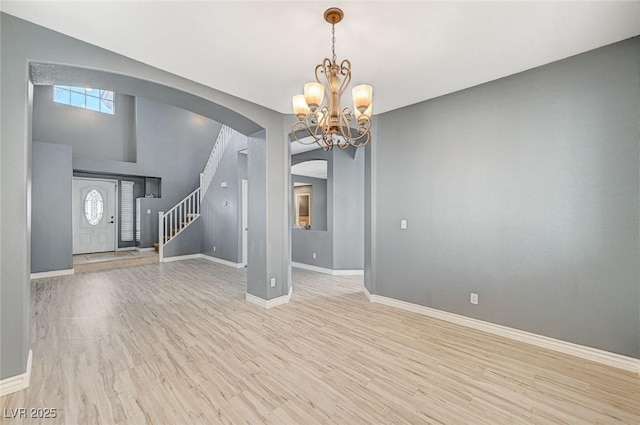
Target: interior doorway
(94, 215)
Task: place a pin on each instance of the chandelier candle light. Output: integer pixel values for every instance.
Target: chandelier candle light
(326, 123)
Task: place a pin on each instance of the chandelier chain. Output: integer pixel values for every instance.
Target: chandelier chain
(333, 42)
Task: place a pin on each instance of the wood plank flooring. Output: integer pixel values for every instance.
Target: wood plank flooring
(176, 343)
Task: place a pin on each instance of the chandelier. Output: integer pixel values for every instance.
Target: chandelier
(326, 123)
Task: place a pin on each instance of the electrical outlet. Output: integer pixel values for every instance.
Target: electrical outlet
(474, 298)
(214, 249)
(273, 282)
(148, 212)
(314, 255)
(403, 224)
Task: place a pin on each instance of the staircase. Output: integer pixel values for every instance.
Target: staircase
(187, 211)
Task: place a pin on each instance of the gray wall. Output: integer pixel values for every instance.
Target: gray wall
(524, 190)
(258, 262)
(221, 223)
(319, 239)
(90, 134)
(318, 200)
(187, 242)
(343, 247)
(370, 215)
(173, 144)
(347, 176)
(24, 43)
(51, 235)
(306, 242)
(149, 208)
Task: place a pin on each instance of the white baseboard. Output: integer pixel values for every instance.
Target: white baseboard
(274, 302)
(327, 271)
(221, 261)
(588, 353)
(18, 382)
(128, 248)
(180, 258)
(204, 257)
(366, 292)
(145, 249)
(52, 273)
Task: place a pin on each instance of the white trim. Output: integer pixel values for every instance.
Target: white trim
(145, 249)
(204, 257)
(52, 273)
(116, 216)
(274, 302)
(366, 292)
(180, 258)
(18, 382)
(221, 261)
(244, 220)
(588, 353)
(327, 271)
(127, 248)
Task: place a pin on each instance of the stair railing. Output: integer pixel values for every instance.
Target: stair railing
(186, 211)
(177, 219)
(214, 159)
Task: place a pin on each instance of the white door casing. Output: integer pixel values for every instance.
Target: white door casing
(245, 222)
(94, 215)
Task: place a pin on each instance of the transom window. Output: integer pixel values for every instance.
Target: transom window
(93, 207)
(84, 97)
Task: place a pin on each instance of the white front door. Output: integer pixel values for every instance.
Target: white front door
(94, 215)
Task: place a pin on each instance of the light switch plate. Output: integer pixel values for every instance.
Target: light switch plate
(403, 224)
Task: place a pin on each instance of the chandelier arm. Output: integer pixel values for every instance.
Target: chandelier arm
(317, 131)
(345, 128)
(327, 143)
(323, 68)
(364, 131)
(345, 69)
(304, 127)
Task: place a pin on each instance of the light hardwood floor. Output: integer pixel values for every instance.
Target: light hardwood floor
(177, 343)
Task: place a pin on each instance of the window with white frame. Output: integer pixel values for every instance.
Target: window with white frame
(84, 97)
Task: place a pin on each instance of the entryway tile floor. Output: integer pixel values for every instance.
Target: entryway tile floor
(86, 263)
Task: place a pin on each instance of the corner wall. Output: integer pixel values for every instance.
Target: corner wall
(91, 134)
(341, 246)
(221, 223)
(51, 226)
(23, 44)
(524, 190)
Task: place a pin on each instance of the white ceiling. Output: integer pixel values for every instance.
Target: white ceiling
(317, 169)
(297, 147)
(265, 51)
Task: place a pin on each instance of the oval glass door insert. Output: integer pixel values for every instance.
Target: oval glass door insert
(93, 207)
